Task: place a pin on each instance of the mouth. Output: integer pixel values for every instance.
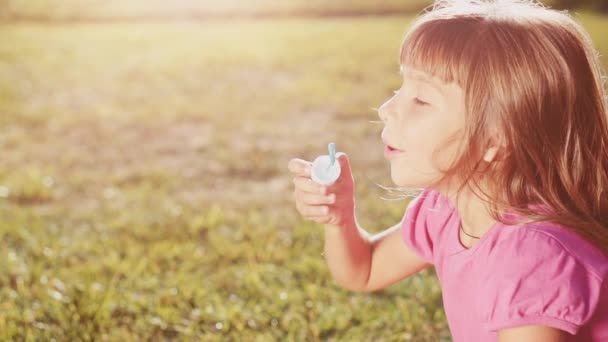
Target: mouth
(391, 152)
(389, 146)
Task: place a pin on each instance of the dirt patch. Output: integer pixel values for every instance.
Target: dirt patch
(193, 159)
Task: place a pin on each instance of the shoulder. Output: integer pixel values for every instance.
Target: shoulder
(532, 277)
(429, 212)
(542, 242)
(588, 254)
(425, 219)
(427, 202)
(426, 198)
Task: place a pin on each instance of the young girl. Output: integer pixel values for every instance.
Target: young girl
(502, 121)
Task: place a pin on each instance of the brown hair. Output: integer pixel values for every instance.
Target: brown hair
(533, 84)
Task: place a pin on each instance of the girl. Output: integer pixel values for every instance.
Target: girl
(501, 120)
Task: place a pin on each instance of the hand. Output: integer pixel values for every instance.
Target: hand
(333, 204)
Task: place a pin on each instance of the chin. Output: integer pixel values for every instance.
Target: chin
(410, 181)
(407, 183)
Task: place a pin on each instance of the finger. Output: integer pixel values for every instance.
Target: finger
(315, 199)
(344, 162)
(312, 210)
(308, 185)
(321, 219)
(299, 167)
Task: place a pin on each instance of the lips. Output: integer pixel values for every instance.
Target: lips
(389, 146)
(391, 153)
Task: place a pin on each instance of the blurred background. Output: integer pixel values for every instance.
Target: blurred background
(144, 189)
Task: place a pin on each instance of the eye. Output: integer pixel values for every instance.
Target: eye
(419, 102)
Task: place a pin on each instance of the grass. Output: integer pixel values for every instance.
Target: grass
(144, 190)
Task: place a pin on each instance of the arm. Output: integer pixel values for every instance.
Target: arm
(530, 333)
(365, 263)
(348, 254)
(392, 260)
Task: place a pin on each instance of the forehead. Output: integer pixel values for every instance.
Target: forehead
(423, 77)
(446, 89)
(417, 74)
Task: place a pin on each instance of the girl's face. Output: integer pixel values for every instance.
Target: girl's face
(423, 114)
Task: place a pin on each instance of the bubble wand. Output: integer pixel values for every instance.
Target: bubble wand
(325, 170)
(332, 154)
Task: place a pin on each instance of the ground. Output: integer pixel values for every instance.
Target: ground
(144, 190)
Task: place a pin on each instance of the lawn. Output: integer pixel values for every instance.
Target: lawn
(144, 190)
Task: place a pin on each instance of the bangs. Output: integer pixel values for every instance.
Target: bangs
(445, 49)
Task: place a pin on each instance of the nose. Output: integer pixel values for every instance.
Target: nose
(386, 109)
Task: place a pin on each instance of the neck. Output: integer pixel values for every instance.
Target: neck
(474, 213)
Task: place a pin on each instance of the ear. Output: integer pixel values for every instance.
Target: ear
(491, 154)
(495, 153)
(495, 147)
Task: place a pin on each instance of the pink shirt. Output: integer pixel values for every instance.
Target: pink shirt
(528, 274)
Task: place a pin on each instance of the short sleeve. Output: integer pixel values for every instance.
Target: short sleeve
(534, 280)
(416, 230)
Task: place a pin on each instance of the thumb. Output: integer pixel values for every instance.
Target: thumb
(344, 163)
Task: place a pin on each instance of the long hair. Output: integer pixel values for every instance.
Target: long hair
(533, 83)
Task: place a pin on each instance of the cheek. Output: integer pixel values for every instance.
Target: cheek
(419, 158)
(415, 167)
(418, 167)
(426, 134)
(420, 141)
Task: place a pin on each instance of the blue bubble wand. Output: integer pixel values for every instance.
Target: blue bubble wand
(332, 154)
(325, 170)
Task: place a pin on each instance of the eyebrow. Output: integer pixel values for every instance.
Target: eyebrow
(422, 77)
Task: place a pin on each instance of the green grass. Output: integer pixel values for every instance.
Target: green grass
(144, 190)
